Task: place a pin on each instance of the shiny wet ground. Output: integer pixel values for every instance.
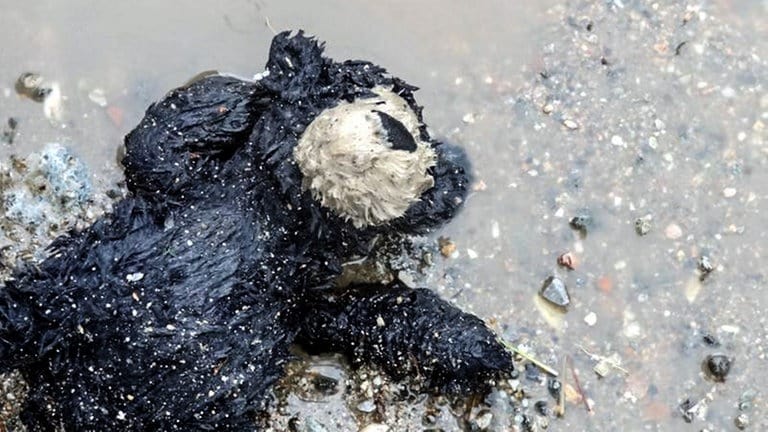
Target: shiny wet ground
(617, 110)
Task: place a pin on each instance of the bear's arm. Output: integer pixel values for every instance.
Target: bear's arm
(408, 331)
(185, 138)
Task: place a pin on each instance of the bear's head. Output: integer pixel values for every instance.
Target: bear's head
(335, 151)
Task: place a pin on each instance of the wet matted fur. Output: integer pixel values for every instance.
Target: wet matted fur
(175, 312)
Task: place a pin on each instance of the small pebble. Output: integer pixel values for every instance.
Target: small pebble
(729, 192)
(643, 225)
(717, 366)
(581, 221)
(554, 291)
(468, 118)
(673, 231)
(570, 124)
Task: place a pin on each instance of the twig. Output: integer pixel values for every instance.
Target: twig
(560, 408)
(578, 386)
(531, 359)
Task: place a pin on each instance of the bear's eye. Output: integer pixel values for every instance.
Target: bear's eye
(397, 134)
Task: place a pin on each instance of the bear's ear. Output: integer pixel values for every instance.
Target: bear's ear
(295, 64)
(183, 139)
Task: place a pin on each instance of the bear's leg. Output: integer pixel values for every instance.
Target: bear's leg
(408, 331)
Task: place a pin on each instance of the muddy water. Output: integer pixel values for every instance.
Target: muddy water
(619, 109)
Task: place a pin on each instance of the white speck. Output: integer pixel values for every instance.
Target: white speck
(590, 319)
(170, 327)
(189, 242)
(533, 173)
(134, 277)
(728, 92)
(560, 212)
(471, 253)
(730, 328)
(741, 136)
(380, 321)
(495, 231)
(632, 330)
(617, 201)
(729, 192)
(620, 265)
(120, 415)
(617, 141)
(653, 142)
(468, 118)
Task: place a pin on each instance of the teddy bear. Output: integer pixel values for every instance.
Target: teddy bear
(176, 311)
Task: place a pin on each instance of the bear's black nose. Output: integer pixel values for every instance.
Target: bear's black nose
(397, 134)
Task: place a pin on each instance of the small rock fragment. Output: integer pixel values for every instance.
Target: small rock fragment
(729, 192)
(366, 406)
(555, 292)
(591, 319)
(741, 421)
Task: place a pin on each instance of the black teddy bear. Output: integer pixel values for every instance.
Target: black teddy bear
(176, 311)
